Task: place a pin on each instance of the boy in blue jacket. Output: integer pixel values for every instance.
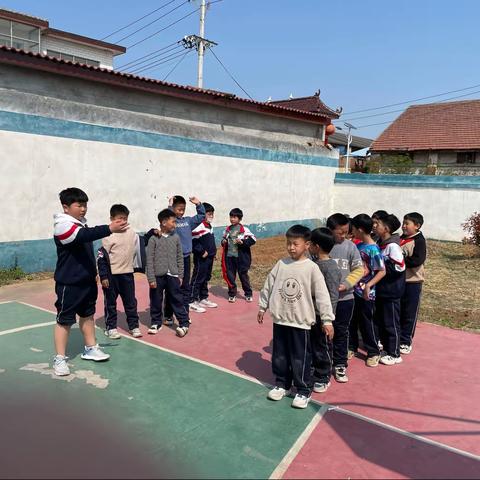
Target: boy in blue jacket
(75, 276)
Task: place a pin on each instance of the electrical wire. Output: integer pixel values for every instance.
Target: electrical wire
(176, 65)
(147, 55)
(155, 64)
(159, 56)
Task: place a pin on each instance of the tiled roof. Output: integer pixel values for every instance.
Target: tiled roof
(40, 62)
(435, 126)
(339, 138)
(311, 104)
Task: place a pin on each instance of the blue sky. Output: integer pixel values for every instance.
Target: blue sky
(361, 54)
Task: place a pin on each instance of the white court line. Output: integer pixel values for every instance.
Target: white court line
(328, 406)
(27, 327)
(287, 460)
(6, 301)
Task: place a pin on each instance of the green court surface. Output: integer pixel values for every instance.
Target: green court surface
(162, 414)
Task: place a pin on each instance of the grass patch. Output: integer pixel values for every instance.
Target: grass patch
(451, 294)
(16, 275)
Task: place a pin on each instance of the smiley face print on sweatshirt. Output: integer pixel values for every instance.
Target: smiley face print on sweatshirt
(290, 291)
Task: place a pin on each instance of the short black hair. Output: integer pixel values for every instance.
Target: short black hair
(119, 209)
(236, 212)
(178, 200)
(363, 222)
(415, 217)
(337, 220)
(165, 214)
(299, 231)
(379, 214)
(208, 207)
(72, 195)
(391, 222)
(323, 237)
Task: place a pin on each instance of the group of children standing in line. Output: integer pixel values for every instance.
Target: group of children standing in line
(163, 254)
(372, 284)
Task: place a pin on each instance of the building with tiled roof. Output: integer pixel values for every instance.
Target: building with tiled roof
(436, 133)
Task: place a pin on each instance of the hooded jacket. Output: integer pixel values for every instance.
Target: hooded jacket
(75, 256)
(392, 285)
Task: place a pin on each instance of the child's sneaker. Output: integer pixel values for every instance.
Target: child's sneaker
(60, 366)
(232, 299)
(195, 307)
(94, 353)
(154, 329)
(341, 374)
(249, 299)
(207, 303)
(168, 322)
(405, 349)
(181, 331)
(300, 401)
(389, 360)
(372, 361)
(277, 393)
(320, 387)
(136, 333)
(351, 354)
(113, 334)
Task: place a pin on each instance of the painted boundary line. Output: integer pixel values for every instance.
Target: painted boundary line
(326, 406)
(26, 327)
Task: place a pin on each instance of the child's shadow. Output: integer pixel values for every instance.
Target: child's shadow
(269, 348)
(253, 365)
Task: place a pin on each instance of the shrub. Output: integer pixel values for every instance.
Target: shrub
(472, 228)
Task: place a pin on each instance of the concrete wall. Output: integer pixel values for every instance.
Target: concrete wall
(445, 202)
(138, 149)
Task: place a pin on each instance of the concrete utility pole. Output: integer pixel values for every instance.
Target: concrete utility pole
(199, 42)
(349, 141)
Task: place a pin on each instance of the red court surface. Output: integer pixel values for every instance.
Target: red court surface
(419, 419)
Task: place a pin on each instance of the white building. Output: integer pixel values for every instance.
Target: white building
(33, 34)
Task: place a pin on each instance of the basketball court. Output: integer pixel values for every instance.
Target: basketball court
(196, 407)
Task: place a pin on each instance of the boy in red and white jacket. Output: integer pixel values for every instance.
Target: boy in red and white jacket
(237, 257)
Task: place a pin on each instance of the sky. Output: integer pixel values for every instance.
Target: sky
(361, 54)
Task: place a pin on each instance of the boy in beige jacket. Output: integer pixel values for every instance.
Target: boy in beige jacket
(293, 290)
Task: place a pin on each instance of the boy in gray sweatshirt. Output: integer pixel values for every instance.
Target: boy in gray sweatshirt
(292, 291)
(164, 273)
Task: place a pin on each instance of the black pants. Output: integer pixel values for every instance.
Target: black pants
(170, 285)
(202, 272)
(122, 284)
(184, 288)
(410, 305)
(292, 358)
(233, 268)
(363, 318)
(321, 354)
(343, 316)
(387, 316)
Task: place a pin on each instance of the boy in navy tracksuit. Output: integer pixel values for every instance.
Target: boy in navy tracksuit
(116, 260)
(75, 276)
(204, 251)
(237, 257)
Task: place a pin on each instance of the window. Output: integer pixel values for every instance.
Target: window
(466, 157)
(72, 58)
(19, 35)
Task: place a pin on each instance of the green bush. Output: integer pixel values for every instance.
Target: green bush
(11, 275)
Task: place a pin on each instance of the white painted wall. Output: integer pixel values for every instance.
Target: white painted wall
(444, 209)
(34, 169)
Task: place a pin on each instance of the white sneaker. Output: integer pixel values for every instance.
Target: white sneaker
(60, 366)
(195, 307)
(95, 353)
(320, 387)
(232, 299)
(112, 334)
(207, 303)
(389, 360)
(181, 331)
(136, 333)
(405, 349)
(154, 329)
(277, 393)
(300, 401)
(341, 374)
(249, 299)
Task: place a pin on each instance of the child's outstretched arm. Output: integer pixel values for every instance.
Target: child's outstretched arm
(197, 219)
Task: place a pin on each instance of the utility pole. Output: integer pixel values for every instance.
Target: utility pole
(349, 141)
(199, 42)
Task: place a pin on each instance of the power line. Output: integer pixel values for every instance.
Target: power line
(230, 75)
(155, 64)
(139, 19)
(147, 55)
(413, 100)
(176, 65)
(153, 21)
(163, 29)
(155, 58)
